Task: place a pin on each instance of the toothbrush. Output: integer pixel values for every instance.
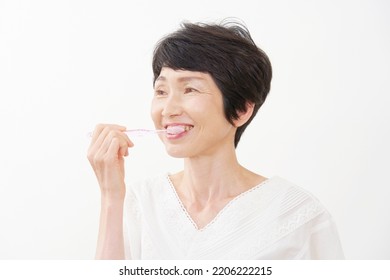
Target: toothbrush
(138, 132)
(143, 132)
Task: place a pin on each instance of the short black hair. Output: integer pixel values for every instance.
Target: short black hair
(240, 69)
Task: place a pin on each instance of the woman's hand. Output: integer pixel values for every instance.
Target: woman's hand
(106, 154)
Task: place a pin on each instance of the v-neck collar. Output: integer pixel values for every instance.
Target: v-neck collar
(220, 213)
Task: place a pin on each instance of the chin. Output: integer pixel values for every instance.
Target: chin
(176, 153)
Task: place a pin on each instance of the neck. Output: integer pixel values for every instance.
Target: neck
(211, 177)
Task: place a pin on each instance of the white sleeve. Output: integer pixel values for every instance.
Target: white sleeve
(322, 242)
(131, 226)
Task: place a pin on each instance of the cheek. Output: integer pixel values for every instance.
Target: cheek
(208, 111)
(155, 112)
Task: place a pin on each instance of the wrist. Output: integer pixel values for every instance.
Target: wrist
(113, 196)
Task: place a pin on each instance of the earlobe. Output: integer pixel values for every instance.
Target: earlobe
(244, 116)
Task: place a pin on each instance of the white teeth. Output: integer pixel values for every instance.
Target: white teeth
(177, 129)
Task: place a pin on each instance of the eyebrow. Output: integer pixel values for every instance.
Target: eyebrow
(181, 79)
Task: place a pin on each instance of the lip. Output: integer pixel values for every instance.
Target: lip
(179, 135)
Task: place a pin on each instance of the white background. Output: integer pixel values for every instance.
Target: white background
(68, 65)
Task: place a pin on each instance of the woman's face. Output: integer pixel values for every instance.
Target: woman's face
(189, 104)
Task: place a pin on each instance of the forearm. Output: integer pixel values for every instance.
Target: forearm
(110, 239)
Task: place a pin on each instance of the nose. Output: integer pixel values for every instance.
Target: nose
(172, 106)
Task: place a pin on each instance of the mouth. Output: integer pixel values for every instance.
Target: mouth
(175, 131)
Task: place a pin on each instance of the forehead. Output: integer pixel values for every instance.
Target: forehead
(171, 75)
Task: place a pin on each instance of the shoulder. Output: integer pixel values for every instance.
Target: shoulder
(305, 223)
(294, 201)
(143, 192)
(290, 190)
(148, 185)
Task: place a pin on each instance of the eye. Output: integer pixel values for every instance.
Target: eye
(159, 92)
(190, 90)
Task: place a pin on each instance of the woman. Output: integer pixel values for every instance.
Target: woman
(209, 82)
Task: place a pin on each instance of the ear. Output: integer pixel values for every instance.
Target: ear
(244, 116)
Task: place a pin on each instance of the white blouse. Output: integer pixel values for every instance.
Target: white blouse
(273, 220)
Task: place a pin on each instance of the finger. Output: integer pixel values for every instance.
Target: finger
(107, 142)
(99, 148)
(107, 152)
(123, 151)
(122, 134)
(129, 142)
(113, 151)
(98, 136)
(116, 151)
(101, 132)
(102, 129)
